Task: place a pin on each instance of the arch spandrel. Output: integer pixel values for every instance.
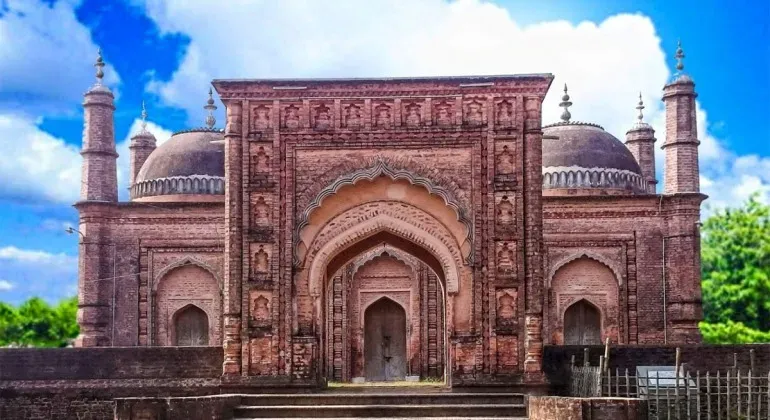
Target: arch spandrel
(445, 206)
(183, 262)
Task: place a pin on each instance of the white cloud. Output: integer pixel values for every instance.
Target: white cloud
(32, 272)
(35, 165)
(39, 167)
(605, 64)
(37, 39)
(11, 253)
(5, 285)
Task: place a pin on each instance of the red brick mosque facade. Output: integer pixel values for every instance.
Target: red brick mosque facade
(388, 229)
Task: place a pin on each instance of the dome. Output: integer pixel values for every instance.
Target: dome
(583, 156)
(190, 162)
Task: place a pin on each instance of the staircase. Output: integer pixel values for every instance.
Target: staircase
(399, 404)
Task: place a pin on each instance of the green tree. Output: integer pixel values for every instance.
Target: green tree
(35, 323)
(735, 258)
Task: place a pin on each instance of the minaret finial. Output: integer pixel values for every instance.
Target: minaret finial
(679, 56)
(99, 66)
(565, 103)
(144, 118)
(210, 107)
(640, 107)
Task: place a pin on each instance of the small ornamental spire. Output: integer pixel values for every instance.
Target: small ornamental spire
(565, 103)
(210, 107)
(144, 118)
(99, 67)
(640, 107)
(679, 56)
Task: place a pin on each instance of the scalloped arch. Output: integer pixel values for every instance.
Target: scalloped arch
(381, 168)
(590, 255)
(185, 261)
(450, 260)
(381, 250)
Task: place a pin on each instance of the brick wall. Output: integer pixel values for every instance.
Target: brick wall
(110, 363)
(703, 358)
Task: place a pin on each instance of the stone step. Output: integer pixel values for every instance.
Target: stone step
(385, 411)
(321, 399)
(399, 418)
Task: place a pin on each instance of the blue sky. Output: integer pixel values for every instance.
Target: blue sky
(166, 51)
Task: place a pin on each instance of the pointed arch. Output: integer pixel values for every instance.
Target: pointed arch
(584, 254)
(450, 260)
(386, 169)
(184, 261)
(190, 325)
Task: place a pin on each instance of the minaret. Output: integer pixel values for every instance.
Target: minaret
(681, 172)
(640, 140)
(99, 180)
(98, 199)
(142, 144)
(682, 276)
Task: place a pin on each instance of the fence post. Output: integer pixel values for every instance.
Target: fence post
(740, 403)
(728, 394)
(586, 362)
(697, 396)
(572, 361)
(607, 353)
(752, 360)
(657, 397)
(628, 387)
(708, 395)
(719, 397)
(748, 400)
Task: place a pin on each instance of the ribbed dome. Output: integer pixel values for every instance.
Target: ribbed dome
(188, 163)
(585, 156)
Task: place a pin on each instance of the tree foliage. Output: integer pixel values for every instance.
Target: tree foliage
(735, 258)
(35, 323)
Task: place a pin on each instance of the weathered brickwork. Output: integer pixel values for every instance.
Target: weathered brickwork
(341, 194)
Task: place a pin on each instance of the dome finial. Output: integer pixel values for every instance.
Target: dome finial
(210, 107)
(565, 103)
(99, 66)
(679, 56)
(144, 117)
(640, 107)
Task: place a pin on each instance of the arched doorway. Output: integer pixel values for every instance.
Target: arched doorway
(191, 327)
(352, 222)
(582, 324)
(385, 341)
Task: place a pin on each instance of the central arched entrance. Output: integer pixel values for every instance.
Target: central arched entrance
(384, 262)
(385, 341)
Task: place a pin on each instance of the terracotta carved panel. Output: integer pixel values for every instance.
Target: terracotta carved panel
(504, 115)
(412, 115)
(260, 161)
(382, 115)
(260, 118)
(291, 117)
(352, 116)
(322, 117)
(261, 212)
(506, 215)
(506, 259)
(443, 114)
(260, 355)
(260, 259)
(259, 307)
(474, 115)
(506, 309)
(505, 158)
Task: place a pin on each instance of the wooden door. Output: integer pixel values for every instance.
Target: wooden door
(582, 324)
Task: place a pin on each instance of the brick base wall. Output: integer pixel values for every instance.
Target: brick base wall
(704, 358)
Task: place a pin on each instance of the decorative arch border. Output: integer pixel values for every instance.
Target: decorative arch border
(381, 168)
(380, 250)
(451, 262)
(583, 254)
(184, 261)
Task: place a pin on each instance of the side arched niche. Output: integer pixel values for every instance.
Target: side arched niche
(593, 285)
(184, 293)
